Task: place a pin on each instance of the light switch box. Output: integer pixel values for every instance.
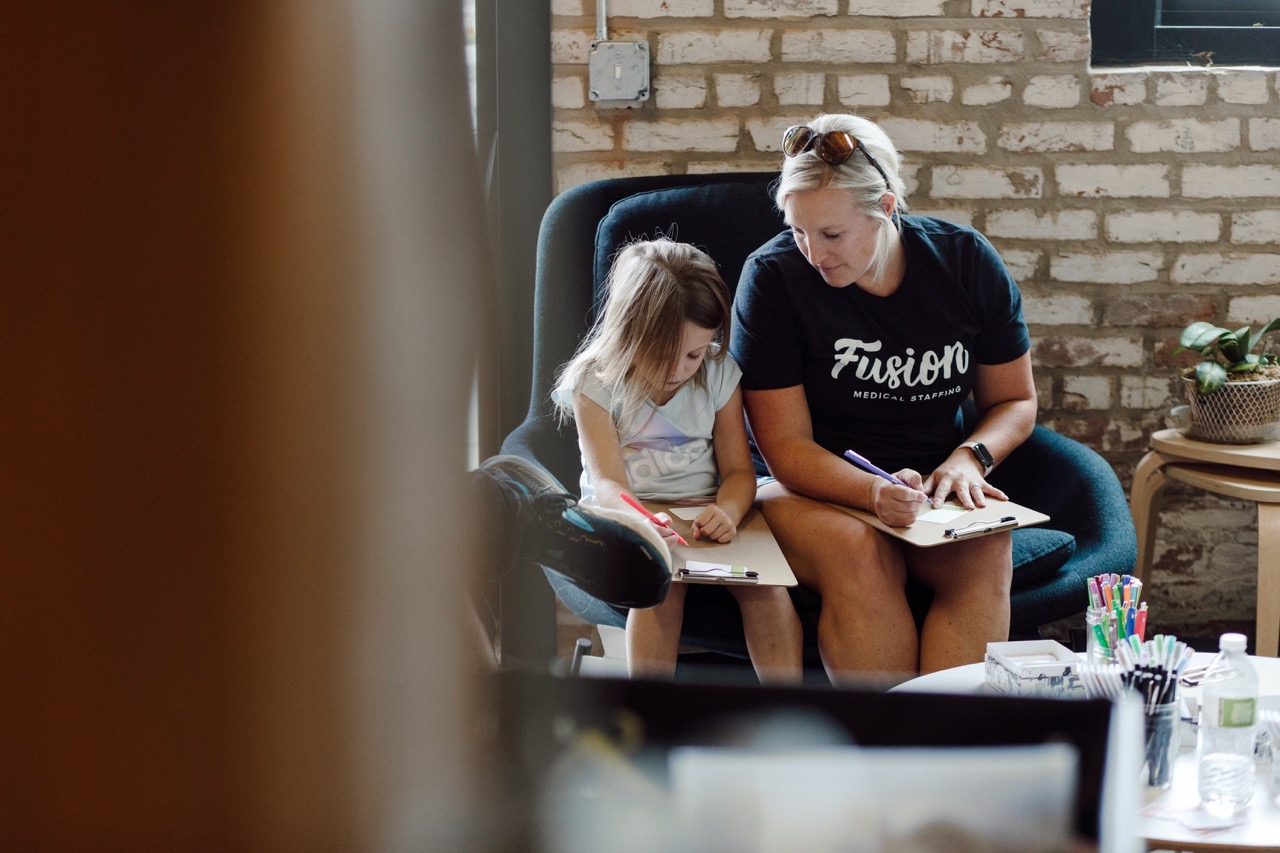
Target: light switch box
(619, 71)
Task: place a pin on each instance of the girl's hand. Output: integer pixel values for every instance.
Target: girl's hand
(668, 532)
(714, 523)
(898, 506)
(960, 476)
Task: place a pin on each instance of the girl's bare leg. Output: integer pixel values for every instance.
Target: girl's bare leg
(653, 636)
(774, 637)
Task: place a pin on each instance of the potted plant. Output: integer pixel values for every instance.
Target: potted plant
(1233, 392)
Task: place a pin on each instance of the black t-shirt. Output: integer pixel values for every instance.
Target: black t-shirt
(882, 375)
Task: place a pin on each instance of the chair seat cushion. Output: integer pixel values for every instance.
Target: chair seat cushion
(1038, 553)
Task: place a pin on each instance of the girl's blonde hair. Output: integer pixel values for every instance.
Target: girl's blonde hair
(808, 172)
(653, 289)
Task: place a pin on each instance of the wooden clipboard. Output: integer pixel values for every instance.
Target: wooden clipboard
(753, 548)
(976, 522)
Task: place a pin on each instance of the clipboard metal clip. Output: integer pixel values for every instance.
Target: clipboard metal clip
(977, 528)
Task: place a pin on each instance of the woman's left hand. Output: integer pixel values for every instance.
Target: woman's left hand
(714, 523)
(959, 475)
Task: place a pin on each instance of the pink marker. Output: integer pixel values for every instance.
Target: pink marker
(637, 505)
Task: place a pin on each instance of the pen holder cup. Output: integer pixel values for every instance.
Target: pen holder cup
(1100, 631)
(1160, 744)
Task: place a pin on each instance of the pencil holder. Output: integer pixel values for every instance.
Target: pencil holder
(1100, 631)
(1161, 744)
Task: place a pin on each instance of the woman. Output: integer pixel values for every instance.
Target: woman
(863, 328)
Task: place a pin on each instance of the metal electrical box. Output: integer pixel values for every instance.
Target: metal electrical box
(619, 71)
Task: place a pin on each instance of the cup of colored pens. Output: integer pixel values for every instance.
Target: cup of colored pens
(1116, 613)
(1148, 671)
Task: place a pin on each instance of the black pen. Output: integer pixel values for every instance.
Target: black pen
(977, 528)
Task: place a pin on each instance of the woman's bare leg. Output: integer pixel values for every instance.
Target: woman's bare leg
(772, 629)
(653, 636)
(865, 625)
(970, 581)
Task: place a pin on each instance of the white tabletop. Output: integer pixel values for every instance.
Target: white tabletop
(1260, 832)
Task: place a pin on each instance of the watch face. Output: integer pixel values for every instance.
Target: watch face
(984, 455)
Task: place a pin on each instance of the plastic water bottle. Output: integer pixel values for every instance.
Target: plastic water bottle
(1228, 723)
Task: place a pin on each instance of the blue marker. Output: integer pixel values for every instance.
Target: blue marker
(866, 464)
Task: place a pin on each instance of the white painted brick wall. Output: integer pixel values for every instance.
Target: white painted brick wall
(581, 136)
(568, 92)
(896, 8)
(681, 135)
(680, 90)
(1098, 351)
(1058, 136)
(687, 47)
(659, 8)
(992, 90)
(1028, 224)
(933, 89)
(839, 46)
(1022, 263)
(799, 87)
(1253, 310)
(1187, 136)
(1242, 85)
(863, 90)
(1181, 88)
(1264, 134)
(1086, 392)
(1166, 226)
(1143, 392)
(1231, 181)
(1118, 88)
(1057, 309)
(1059, 46)
(1226, 268)
(935, 47)
(775, 8)
(964, 137)
(737, 90)
(985, 182)
(1052, 90)
(1030, 8)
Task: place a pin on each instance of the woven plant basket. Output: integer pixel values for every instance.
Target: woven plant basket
(1237, 413)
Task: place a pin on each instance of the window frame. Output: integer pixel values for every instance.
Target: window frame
(1137, 31)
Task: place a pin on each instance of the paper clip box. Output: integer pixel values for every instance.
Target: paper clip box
(1043, 668)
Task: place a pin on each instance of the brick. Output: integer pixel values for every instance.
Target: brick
(946, 214)
(700, 47)
(961, 137)
(1077, 351)
(581, 136)
(681, 135)
(1027, 224)
(1163, 226)
(1227, 268)
(568, 8)
(774, 8)
(568, 92)
(1255, 311)
(1106, 267)
(1022, 263)
(1118, 89)
(799, 87)
(1086, 392)
(571, 47)
(1052, 90)
(1264, 134)
(935, 47)
(985, 182)
(568, 177)
(1255, 226)
(1254, 181)
(838, 46)
(863, 90)
(1145, 392)
(1185, 136)
(1058, 309)
(679, 90)
(1183, 88)
(993, 90)
(661, 8)
(928, 90)
(1060, 46)
(1030, 8)
(1058, 136)
(737, 90)
(719, 167)
(1241, 85)
(1108, 181)
(897, 8)
(1158, 310)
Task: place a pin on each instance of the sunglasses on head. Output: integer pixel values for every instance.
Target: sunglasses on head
(833, 147)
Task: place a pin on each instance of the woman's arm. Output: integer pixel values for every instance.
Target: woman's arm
(1005, 395)
(783, 429)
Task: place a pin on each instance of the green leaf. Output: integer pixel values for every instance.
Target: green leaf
(1210, 376)
(1200, 334)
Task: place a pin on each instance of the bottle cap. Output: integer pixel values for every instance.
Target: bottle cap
(1233, 643)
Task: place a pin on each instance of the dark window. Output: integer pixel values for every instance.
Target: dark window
(1198, 32)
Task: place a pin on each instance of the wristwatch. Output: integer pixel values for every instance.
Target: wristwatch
(984, 457)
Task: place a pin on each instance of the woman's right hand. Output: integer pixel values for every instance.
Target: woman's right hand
(898, 506)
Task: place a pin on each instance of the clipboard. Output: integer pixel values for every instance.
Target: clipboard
(753, 550)
(992, 518)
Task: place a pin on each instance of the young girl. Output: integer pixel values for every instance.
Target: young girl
(659, 415)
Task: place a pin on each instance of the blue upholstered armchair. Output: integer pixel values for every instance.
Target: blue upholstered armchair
(729, 216)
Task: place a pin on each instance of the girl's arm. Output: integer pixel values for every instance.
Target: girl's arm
(737, 474)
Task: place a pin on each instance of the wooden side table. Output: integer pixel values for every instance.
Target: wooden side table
(1245, 471)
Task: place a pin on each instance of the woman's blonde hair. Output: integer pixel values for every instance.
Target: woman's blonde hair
(653, 289)
(865, 184)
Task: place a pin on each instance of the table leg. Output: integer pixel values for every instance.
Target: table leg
(1267, 642)
(1149, 481)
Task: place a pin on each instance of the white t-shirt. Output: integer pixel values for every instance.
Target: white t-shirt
(667, 449)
